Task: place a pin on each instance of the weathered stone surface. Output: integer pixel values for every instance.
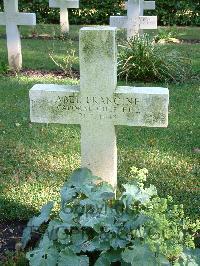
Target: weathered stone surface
(135, 22)
(11, 18)
(98, 104)
(130, 106)
(145, 5)
(64, 5)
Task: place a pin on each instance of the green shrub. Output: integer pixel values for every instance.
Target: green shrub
(93, 226)
(141, 59)
(172, 12)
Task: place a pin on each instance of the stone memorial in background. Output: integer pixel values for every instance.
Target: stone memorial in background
(98, 104)
(144, 5)
(11, 18)
(64, 5)
(135, 22)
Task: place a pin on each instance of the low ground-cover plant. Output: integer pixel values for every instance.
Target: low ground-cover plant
(165, 34)
(96, 227)
(142, 59)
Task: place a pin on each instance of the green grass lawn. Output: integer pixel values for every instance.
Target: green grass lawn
(37, 158)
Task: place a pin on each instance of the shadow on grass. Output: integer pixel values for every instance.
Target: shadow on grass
(11, 209)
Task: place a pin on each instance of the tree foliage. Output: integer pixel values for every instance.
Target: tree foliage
(184, 12)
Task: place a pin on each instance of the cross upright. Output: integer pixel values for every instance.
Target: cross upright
(98, 105)
(135, 22)
(11, 18)
(64, 5)
(144, 5)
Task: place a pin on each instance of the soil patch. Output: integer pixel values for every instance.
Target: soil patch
(10, 235)
(45, 73)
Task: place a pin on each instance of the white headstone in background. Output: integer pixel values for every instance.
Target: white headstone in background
(135, 22)
(98, 104)
(64, 5)
(11, 18)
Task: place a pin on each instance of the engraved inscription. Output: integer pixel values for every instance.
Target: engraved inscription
(98, 106)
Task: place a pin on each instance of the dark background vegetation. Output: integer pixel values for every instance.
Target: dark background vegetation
(182, 13)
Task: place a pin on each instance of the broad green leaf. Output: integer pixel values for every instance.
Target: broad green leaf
(87, 220)
(83, 180)
(67, 193)
(139, 255)
(81, 176)
(35, 222)
(45, 254)
(67, 218)
(136, 223)
(78, 241)
(26, 236)
(63, 238)
(135, 193)
(190, 257)
(52, 229)
(41, 257)
(106, 258)
(68, 257)
(118, 243)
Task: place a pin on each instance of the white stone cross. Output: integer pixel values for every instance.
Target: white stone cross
(135, 21)
(11, 18)
(64, 5)
(98, 104)
(144, 5)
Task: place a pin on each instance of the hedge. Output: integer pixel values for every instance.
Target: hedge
(171, 12)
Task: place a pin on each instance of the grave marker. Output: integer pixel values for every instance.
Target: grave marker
(64, 5)
(135, 22)
(98, 104)
(144, 5)
(11, 18)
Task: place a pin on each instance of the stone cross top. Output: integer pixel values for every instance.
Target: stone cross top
(64, 5)
(11, 18)
(98, 104)
(144, 5)
(135, 21)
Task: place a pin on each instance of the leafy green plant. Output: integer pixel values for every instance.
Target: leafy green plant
(96, 227)
(142, 59)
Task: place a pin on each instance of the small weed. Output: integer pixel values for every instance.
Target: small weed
(66, 62)
(4, 68)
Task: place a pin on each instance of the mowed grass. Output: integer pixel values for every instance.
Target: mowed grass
(38, 158)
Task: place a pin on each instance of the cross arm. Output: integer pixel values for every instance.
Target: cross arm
(26, 19)
(51, 103)
(54, 3)
(148, 22)
(120, 22)
(64, 3)
(73, 4)
(146, 106)
(149, 5)
(2, 18)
